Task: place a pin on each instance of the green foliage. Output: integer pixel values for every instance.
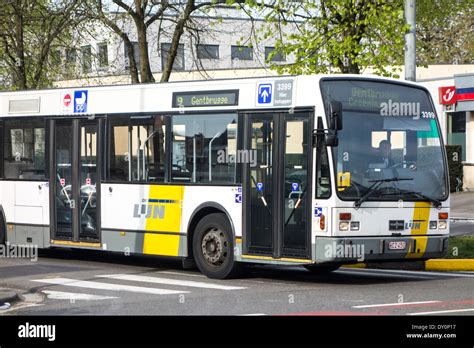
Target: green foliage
(32, 34)
(463, 245)
(454, 154)
(445, 31)
(347, 35)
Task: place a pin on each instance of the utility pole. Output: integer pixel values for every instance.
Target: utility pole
(410, 41)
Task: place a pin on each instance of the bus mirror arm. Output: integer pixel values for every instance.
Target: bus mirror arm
(322, 136)
(335, 115)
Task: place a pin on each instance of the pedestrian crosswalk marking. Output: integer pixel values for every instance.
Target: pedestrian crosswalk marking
(62, 295)
(166, 281)
(108, 286)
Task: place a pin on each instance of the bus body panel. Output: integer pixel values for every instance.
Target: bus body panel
(154, 219)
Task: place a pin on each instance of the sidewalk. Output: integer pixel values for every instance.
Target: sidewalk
(462, 206)
(7, 295)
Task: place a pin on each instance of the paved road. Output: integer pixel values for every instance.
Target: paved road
(82, 282)
(461, 228)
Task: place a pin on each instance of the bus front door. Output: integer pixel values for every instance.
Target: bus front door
(276, 185)
(75, 179)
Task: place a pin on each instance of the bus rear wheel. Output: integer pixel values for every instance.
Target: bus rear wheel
(322, 269)
(213, 247)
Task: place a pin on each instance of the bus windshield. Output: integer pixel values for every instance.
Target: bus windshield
(389, 147)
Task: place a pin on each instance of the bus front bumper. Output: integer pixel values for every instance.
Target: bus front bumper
(380, 248)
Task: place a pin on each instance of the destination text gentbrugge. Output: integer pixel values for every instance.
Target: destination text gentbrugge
(206, 100)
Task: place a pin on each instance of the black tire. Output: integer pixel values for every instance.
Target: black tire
(3, 227)
(322, 269)
(213, 247)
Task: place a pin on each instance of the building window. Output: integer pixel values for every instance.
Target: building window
(71, 56)
(178, 63)
(242, 52)
(272, 55)
(204, 148)
(136, 55)
(25, 149)
(207, 51)
(137, 149)
(457, 130)
(103, 55)
(86, 59)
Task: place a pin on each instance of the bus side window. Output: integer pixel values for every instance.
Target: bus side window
(24, 149)
(203, 148)
(137, 149)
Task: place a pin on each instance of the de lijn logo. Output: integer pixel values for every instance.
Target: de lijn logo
(80, 101)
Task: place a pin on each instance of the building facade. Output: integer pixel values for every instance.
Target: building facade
(454, 98)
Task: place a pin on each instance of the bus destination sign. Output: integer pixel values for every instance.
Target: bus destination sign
(205, 98)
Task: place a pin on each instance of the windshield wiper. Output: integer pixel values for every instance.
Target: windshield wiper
(432, 200)
(376, 184)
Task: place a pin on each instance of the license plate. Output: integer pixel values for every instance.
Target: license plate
(397, 245)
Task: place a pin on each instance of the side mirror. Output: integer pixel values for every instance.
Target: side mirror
(335, 115)
(331, 139)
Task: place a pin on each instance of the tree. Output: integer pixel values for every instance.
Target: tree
(347, 35)
(143, 14)
(31, 32)
(445, 32)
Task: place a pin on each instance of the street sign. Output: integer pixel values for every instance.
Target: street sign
(62, 182)
(88, 181)
(80, 101)
(264, 93)
(259, 186)
(67, 100)
(275, 93)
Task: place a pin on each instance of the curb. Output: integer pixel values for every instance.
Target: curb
(450, 265)
(428, 265)
(8, 296)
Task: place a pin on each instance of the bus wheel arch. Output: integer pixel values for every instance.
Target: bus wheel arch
(210, 227)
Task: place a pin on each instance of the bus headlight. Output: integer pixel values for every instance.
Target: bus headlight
(433, 225)
(442, 225)
(344, 226)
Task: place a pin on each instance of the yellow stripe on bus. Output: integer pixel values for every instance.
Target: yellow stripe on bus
(76, 244)
(421, 214)
(269, 258)
(168, 200)
(161, 244)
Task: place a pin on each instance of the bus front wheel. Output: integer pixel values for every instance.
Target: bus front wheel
(213, 247)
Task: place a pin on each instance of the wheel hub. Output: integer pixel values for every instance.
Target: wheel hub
(214, 246)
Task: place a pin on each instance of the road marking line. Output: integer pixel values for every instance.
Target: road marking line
(253, 315)
(447, 311)
(155, 280)
(394, 304)
(107, 286)
(61, 295)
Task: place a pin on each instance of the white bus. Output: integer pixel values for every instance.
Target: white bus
(316, 171)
